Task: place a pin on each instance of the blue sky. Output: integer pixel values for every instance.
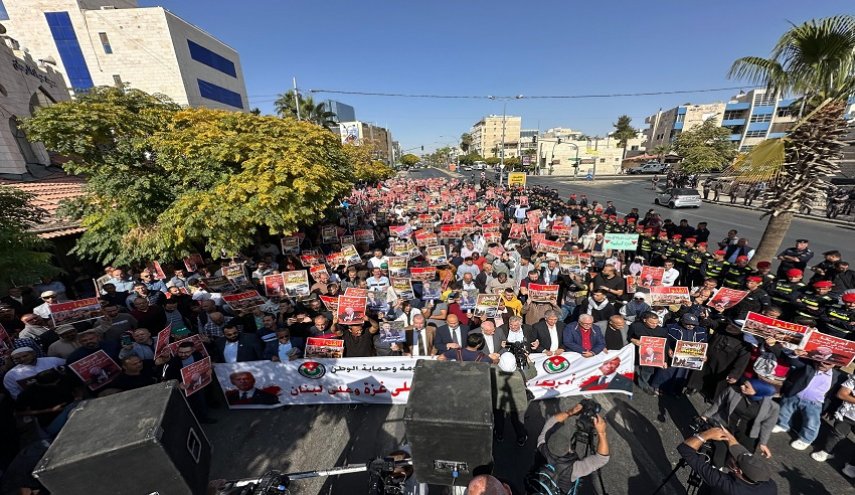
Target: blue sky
(498, 47)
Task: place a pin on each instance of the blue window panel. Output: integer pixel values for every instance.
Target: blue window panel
(681, 110)
(678, 125)
(4, 15)
(737, 106)
(732, 122)
(69, 50)
(201, 54)
(773, 135)
(764, 110)
(735, 137)
(758, 126)
(220, 94)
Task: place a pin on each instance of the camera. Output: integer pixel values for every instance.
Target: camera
(700, 424)
(520, 353)
(590, 409)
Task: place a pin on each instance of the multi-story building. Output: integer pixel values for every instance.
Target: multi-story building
(363, 133)
(115, 42)
(487, 135)
(528, 142)
(558, 154)
(565, 133)
(25, 85)
(343, 112)
(750, 117)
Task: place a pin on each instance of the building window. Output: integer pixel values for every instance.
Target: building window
(734, 114)
(746, 148)
(105, 43)
(202, 55)
(602, 160)
(784, 112)
(220, 94)
(764, 100)
(69, 50)
(755, 134)
(762, 118)
(4, 16)
(680, 117)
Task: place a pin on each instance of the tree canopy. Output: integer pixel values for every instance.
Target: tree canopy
(623, 130)
(22, 255)
(286, 106)
(410, 159)
(163, 182)
(705, 147)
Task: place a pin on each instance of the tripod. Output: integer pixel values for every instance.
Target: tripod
(587, 437)
(695, 482)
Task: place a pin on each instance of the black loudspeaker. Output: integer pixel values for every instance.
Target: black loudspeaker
(137, 442)
(449, 420)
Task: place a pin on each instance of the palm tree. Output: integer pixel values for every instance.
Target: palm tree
(285, 106)
(662, 150)
(624, 132)
(465, 142)
(815, 60)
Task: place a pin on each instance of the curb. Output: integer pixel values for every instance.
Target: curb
(845, 223)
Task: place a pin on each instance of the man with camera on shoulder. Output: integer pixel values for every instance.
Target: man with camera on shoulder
(557, 465)
(746, 473)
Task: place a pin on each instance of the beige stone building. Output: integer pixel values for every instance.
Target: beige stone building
(597, 156)
(487, 136)
(115, 42)
(666, 125)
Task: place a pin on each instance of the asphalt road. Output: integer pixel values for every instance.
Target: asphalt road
(643, 431)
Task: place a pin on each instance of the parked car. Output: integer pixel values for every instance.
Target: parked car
(467, 168)
(480, 165)
(649, 168)
(678, 198)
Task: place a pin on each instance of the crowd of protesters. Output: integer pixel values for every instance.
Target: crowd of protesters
(754, 387)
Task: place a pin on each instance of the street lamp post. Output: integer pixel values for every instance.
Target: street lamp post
(504, 113)
(575, 163)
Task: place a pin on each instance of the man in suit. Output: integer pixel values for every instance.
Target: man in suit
(516, 331)
(245, 392)
(349, 315)
(452, 335)
(185, 355)
(608, 379)
(237, 347)
(494, 339)
(549, 336)
(584, 337)
(419, 339)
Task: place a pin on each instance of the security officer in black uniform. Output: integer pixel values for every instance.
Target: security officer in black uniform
(680, 253)
(839, 319)
(785, 291)
(812, 303)
(645, 244)
(660, 246)
(794, 257)
(755, 301)
(734, 276)
(671, 248)
(696, 257)
(715, 267)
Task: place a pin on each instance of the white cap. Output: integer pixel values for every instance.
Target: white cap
(640, 295)
(508, 362)
(22, 350)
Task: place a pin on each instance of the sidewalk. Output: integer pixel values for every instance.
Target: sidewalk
(724, 200)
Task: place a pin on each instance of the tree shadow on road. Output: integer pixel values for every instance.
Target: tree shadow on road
(801, 482)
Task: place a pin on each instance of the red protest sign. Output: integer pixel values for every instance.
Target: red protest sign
(196, 376)
(651, 351)
(351, 310)
(96, 370)
(829, 349)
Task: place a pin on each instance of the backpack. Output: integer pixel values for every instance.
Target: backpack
(543, 480)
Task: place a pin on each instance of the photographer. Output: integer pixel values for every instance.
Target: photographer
(555, 449)
(748, 474)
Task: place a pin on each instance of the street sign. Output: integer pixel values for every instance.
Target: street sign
(516, 179)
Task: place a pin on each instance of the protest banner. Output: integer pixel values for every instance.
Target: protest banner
(330, 302)
(496, 251)
(351, 310)
(790, 335)
(295, 284)
(356, 292)
(517, 231)
(365, 236)
(377, 300)
(726, 298)
(542, 293)
(96, 370)
(399, 249)
(651, 276)
(492, 237)
(311, 258)
(217, 284)
(397, 266)
(387, 380)
(468, 299)
(196, 340)
(689, 355)
(162, 342)
(318, 270)
(236, 274)
(155, 269)
(491, 227)
(829, 349)
(623, 242)
(403, 288)
(516, 179)
(569, 263)
(427, 239)
(545, 246)
(196, 376)
(522, 200)
(347, 239)
(668, 296)
(487, 305)
(245, 300)
(400, 231)
(560, 230)
(450, 232)
(651, 351)
(630, 280)
(290, 244)
(75, 311)
(534, 216)
(336, 259)
(351, 255)
(194, 262)
(423, 273)
(436, 255)
(329, 234)
(317, 347)
(431, 290)
(274, 285)
(392, 332)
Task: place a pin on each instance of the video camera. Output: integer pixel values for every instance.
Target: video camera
(585, 420)
(520, 353)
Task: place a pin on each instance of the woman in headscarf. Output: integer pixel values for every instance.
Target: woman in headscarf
(748, 412)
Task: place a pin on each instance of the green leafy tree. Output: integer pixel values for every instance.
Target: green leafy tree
(162, 181)
(410, 159)
(466, 142)
(492, 160)
(513, 162)
(705, 147)
(816, 61)
(624, 131)
(661, 150)
(317, 113)
(470, 159)
(22, 253)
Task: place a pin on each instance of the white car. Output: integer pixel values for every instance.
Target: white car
(678, 198)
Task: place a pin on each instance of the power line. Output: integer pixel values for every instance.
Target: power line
(526, 97)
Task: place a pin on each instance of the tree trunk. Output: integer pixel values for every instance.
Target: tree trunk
(773, 237)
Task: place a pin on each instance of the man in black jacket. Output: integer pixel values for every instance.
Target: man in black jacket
(237, 347)
(185, 355)
(727, 357)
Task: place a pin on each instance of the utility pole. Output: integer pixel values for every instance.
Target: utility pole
(296, 99)
(504, 115)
